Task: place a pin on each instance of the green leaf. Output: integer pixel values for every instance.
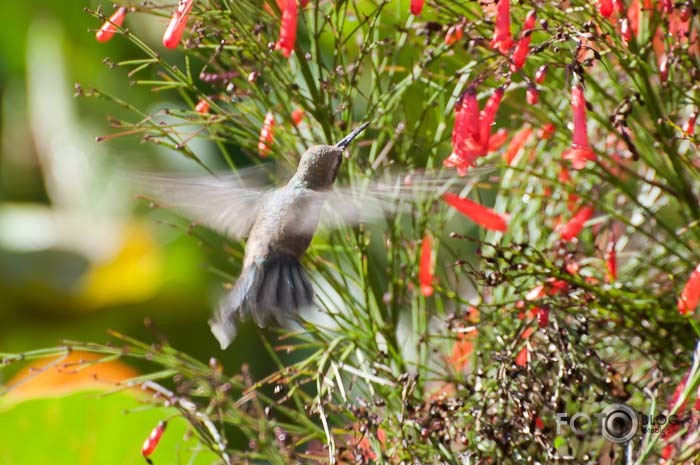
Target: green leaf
(86, 428)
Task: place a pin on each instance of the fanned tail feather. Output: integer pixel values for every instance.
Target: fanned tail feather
(271, 289)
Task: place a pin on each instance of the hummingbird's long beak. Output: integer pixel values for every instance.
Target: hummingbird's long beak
(345, 141)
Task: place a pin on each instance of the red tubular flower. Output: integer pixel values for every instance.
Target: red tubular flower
(522, 49)
(470, 119)
(689, 126)
(479, 214)
(488, 116)
(685, 14)
(523, 356)
(471, 133)
(580, 151)
(454, 34)
(539, 424)
(530, 20)
(297, 116)
(497, 140)
(266, 136)
(425, 272)
(176, 27)
(151, 442)
(546, 131)
(605, 8)
(109, 27)
(667, 452)
(532, 95)
(459, 130)
(574, 226)
(625, 30)
(540, 74)
(417, 6)
(288, 28)
(516, 143)
(502, 39)
(542, 316)
(202, 107)
(611, 261)
(549, 288)
(634, 15)
(690, 297)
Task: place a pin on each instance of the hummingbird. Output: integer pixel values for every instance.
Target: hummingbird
(279, 224)
(273, 283)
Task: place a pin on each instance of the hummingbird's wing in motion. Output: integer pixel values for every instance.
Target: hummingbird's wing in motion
(228, 204)
(390, 194)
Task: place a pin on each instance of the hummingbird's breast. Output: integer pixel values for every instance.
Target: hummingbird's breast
(286, 223)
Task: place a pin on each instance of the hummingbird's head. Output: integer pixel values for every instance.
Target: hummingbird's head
(319, 165)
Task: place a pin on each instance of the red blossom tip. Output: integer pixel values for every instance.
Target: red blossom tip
(532, 96)
(151, 442)
(297, 116)
(502, 39)
(425, 272)
(516, 144)
(574, 226)
(109, 27)
(580, 151)
(483, 216)
(417, 6)
(530, 20)
(690, 297)
(611, 261)
(178, 23)
(540, 74)
(689, 126)
(605, 8)
(266, 136)
(454, 34)
(288, 28)
(202, 107)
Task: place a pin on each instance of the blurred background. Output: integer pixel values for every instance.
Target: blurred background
(79, 253)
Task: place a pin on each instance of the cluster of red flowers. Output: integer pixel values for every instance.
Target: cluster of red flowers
(676, 21)
(471, 134)
(171, 36)
(178, 22)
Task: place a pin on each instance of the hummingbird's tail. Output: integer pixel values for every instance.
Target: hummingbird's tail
(273, 288)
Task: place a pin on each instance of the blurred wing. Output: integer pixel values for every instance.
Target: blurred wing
(393, 193)
(227, 204)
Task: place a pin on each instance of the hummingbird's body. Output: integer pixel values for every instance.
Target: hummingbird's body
(273, 284)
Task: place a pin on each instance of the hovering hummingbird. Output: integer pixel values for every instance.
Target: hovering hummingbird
(280, 224)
